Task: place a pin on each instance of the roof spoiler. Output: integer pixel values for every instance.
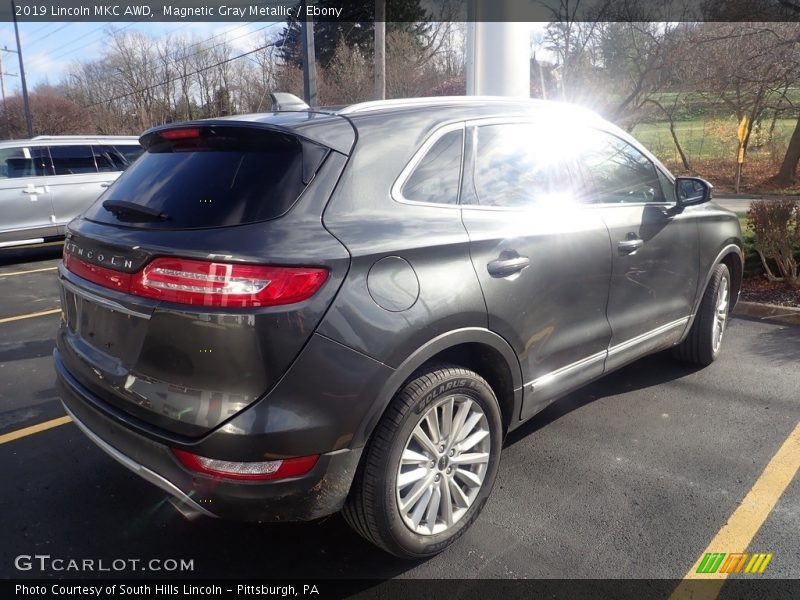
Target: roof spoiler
(284, 101)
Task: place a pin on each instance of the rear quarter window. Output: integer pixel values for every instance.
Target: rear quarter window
(436, 177)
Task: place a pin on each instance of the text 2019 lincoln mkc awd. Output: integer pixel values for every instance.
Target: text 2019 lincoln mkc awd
(280, 316)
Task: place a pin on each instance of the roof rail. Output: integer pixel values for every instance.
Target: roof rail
(433, 101)
(80, 137)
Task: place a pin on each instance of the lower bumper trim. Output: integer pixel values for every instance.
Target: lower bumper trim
(190, 506)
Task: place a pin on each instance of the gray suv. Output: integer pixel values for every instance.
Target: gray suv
(47, 181)
(280, 316)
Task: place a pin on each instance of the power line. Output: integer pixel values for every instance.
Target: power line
(173, 79)
(58, 57)
(83, 38)
(37, 40)
(174, 59)
(42, 28)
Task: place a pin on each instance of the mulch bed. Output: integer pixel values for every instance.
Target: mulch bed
(758, 289)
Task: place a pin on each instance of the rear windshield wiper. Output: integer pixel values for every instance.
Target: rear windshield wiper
(130, 211)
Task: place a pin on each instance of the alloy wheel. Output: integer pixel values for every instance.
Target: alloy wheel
(443, 465)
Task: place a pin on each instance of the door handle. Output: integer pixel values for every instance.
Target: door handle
(507, 264)
(630, 246)
(104, 185)
(33, 190)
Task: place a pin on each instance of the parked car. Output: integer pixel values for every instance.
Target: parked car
(46, 181)
(280, 316)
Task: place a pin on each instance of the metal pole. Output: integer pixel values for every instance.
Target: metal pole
(380, 49)
(309, 61)
(28, 119)
(3, 92)
(472, 50)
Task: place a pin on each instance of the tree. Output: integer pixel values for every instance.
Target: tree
(354, 28)
(52, 113)
(746, 67)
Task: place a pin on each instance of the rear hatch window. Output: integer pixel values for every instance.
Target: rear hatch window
(210, 176)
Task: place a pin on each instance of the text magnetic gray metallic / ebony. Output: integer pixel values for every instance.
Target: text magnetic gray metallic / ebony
(280, 316)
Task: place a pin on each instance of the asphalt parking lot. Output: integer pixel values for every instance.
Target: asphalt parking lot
(635, 476)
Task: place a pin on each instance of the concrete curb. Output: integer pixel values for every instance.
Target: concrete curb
(768, 312)
(732, 196)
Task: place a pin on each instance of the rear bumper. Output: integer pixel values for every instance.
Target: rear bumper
(318, 493)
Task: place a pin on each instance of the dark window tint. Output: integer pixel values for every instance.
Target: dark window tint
(436, 176)
(108, 159)
(116, 157)
(519, 165)
(23, 162)
(129, 151)
(618, 172)
(227, 176)
(73, 160)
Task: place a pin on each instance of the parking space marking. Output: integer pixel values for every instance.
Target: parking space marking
(26, 272)
(21, 433)
(43, 313)
(742, 526)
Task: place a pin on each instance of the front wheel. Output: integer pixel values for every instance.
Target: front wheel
(704, 341)
(430, 465)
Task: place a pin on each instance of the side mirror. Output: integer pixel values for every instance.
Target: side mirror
(692, 190)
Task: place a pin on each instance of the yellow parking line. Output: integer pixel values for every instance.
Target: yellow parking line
(44, 313)
(742, 526)
(26, 272)
(21, 433)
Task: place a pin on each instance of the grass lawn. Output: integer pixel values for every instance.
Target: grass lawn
(705, 138)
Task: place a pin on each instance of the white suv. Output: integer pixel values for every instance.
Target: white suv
(47, 181)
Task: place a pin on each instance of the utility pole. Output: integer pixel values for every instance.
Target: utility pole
(3, 76)
(3, 92)
(309, 59)
(380, 49)
(28, 120)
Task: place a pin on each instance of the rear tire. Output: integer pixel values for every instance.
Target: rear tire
(430, 464)
(702, 345)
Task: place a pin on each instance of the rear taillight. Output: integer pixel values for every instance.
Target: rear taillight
(202, 283)
(250, 471)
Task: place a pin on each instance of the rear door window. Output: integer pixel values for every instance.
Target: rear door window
(215, 177)
(75, 159)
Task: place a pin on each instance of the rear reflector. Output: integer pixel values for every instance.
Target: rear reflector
(202, 283)
(250, 471)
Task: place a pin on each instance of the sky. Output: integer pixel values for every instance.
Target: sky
(48, 49)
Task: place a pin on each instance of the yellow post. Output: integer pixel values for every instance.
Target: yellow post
(741, 133)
